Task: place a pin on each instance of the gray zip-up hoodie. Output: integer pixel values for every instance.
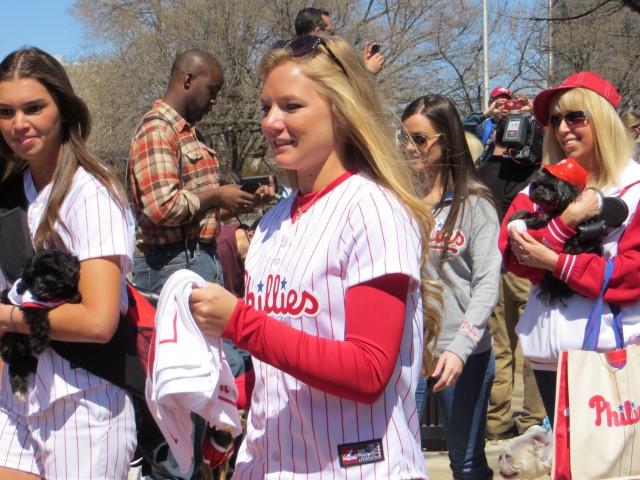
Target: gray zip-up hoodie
(469, 275)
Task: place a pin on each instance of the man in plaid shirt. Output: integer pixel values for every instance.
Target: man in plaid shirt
(176, 193)
(174, 205)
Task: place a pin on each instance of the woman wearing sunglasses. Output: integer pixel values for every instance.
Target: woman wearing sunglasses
(465, 260)
(333, 309)
(582, 123)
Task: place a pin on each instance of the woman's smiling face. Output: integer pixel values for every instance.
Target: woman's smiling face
(298, 121)
(30, 122)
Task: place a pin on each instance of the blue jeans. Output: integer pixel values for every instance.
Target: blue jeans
(463, 408)
(152, 270)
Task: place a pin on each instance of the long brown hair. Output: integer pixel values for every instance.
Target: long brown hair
(76, 126)
(457, 169)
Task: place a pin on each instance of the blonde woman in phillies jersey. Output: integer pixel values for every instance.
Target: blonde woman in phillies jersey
(333, 309)
(71, 424)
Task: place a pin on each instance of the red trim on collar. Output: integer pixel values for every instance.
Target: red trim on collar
(302, 203)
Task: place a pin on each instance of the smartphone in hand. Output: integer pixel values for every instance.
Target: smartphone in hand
(251, 184)
(375, 48)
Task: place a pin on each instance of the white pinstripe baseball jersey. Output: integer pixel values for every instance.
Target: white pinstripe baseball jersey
(99, 229)
(299, 273)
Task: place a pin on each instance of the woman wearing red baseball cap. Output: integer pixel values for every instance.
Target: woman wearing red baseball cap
(582, 123)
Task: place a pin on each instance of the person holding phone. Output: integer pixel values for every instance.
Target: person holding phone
(333, 308)
(483, 124)
(177, 198)
(316, 21)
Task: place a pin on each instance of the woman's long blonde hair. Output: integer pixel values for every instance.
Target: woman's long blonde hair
(612, 142)
(370, 145)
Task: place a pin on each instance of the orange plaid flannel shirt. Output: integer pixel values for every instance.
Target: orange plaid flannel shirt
(161, 205)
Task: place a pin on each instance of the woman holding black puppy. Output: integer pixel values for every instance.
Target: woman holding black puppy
(582, 124)
(71, 423)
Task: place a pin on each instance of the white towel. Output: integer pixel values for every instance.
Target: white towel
(189, 372)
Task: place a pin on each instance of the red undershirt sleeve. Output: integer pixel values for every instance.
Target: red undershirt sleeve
(358, 367)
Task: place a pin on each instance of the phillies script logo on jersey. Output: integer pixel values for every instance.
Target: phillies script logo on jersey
(438, 239)
(627, 413)
(275, 298)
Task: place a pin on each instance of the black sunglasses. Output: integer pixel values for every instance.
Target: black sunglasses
(579, 117)
(419, 139)
(304, 44)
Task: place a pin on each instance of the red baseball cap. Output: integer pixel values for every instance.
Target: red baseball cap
(570, 171)
(588, 80)
(500, 91)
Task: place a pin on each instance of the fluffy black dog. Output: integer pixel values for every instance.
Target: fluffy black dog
(553, 195)
(51, 276)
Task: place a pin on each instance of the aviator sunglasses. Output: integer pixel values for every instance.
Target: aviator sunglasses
(304, 44)
(419, 139)
(577, 118)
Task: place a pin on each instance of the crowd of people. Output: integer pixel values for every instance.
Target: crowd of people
(391, 273)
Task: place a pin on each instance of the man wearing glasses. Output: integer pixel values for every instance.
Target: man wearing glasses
(316, 21)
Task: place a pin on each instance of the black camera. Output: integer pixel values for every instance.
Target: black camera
(522, 137)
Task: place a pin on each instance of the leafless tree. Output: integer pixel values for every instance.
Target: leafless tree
(430, 46)
(600, 36)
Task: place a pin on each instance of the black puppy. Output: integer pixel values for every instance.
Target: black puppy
(51, 277)
(553, 188)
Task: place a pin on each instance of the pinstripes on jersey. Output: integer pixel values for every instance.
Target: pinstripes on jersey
(299, 273)
(82, 426)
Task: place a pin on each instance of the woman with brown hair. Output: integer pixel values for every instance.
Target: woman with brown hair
(71, 423)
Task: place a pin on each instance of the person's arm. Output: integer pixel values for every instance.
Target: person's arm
(154, 166)
(584, 272)
(154, 163)
(509, 259)
(474, 123)
(485, 279)
(553, 236)
(358, 367)
(485, 276)
(94, 319)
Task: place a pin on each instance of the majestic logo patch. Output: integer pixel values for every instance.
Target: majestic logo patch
(276, 299)
(360, 453)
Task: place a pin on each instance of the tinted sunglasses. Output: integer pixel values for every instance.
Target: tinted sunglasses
(578, 118)
(419, 139)
(304, 44)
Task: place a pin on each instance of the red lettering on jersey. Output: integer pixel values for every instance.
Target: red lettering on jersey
(275, 300)
(438, 239)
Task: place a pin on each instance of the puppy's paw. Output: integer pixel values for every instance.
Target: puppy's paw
(519, 225)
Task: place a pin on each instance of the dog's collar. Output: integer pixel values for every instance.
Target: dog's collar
(27, 299)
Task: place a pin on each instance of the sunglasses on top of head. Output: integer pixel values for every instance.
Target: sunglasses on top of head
(577, 118)
(419, 139)
(304, 44)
